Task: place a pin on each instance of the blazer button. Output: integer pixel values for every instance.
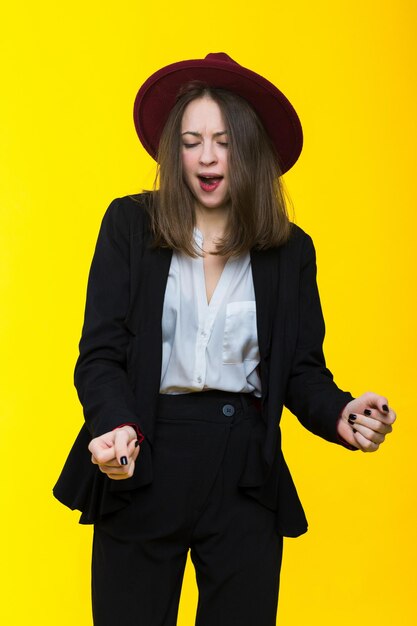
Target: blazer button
(228, 410)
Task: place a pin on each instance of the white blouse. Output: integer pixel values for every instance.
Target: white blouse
(209, 345)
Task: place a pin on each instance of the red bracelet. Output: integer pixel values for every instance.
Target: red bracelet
(139, 433)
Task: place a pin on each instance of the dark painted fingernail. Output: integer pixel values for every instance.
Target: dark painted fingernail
(367, 412)
(351, 418)
(354, 430)
(123, 460)
(137, 444)
(385, 408)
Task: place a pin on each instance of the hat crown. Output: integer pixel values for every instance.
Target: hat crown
(219, 56)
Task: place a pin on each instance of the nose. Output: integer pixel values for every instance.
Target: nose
(208, 155)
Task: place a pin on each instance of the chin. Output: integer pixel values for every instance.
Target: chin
(207, 203)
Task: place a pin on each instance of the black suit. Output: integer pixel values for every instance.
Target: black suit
(118, 372)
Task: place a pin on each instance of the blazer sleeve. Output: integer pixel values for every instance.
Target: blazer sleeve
(100, 373)
(312, 395)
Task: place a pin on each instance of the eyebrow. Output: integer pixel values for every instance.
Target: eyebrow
(191, 132)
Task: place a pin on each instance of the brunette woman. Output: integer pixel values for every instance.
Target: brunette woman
(202, 321)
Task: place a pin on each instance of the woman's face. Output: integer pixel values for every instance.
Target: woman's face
(205, 153)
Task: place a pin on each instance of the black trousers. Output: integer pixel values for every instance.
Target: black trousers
(193, 503)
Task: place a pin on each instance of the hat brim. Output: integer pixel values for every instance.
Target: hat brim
(158, 94)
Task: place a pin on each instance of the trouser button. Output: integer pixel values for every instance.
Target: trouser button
(228, 410)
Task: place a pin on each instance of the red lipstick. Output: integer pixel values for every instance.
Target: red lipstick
(209, 182)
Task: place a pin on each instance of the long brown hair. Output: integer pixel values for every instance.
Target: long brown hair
(258, 215)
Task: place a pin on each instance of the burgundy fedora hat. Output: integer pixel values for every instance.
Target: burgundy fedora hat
(158, 94)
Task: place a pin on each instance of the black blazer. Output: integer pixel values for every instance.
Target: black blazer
(117, 374)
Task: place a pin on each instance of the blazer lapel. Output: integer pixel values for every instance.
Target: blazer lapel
(265, 272)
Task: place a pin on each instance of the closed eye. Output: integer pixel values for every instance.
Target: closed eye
(190, 145)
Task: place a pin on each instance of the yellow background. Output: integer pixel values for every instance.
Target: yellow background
(70, 73)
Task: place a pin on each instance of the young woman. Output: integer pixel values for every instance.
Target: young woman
(202, 321)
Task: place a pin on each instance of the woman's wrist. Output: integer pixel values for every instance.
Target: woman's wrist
(133, 429)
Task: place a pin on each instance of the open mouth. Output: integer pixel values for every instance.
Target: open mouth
(209, 183)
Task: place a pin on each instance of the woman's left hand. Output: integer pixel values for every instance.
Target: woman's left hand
(365, 421)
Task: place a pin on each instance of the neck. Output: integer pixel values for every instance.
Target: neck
(212, 222)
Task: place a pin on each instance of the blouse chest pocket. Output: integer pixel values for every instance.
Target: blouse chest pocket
(240, 339)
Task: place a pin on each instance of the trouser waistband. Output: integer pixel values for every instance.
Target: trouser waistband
(213, 405)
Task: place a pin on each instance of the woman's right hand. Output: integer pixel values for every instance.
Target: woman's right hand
(115, 452)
